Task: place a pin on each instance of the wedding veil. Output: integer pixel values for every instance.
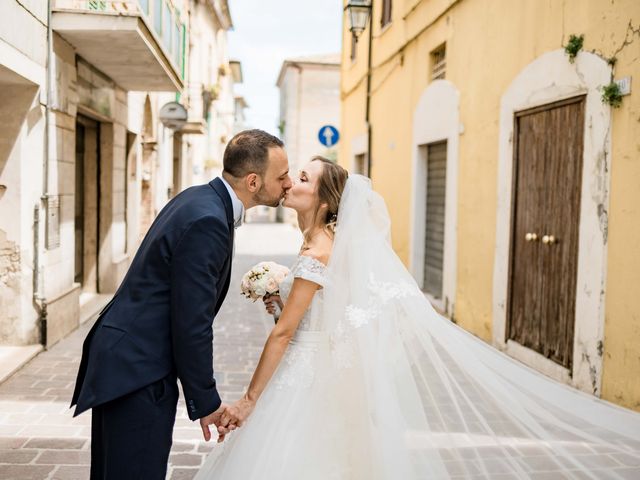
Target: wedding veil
(421, 398)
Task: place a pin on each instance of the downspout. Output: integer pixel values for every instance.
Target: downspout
(38, 280)
(368, 100)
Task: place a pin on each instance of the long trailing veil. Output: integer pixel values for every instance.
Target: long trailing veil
(381, 387)
(418, 397)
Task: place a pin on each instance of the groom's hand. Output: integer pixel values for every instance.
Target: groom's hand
(215, 418)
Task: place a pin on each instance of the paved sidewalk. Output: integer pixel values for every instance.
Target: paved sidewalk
(39, 438)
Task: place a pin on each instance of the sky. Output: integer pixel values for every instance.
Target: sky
(265, 33)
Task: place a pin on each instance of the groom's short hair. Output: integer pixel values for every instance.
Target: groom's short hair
(248, 152)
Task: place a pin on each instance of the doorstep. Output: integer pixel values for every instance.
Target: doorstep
(13, 358)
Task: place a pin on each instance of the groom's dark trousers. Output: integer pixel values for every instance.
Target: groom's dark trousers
(155, 330)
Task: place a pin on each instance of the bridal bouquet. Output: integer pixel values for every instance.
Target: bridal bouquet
(262, 280)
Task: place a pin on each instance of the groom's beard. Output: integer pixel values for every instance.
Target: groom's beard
(263, 198)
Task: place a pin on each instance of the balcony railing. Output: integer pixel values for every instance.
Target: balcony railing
(161, 16)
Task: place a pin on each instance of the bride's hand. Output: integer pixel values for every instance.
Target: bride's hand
(271, 301)
(237, 414)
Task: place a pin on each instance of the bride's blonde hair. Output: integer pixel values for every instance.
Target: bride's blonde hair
(330, 187)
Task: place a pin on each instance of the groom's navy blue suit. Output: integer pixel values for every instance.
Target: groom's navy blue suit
(157, 328)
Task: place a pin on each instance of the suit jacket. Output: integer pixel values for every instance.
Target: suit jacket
(160, 320)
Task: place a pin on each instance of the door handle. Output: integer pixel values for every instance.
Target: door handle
(548, 239)
(531, 237)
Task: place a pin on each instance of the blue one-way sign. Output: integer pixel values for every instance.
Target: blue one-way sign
(328, 135)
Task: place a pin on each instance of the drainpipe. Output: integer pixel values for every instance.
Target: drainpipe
(39, 299)
(368, 100)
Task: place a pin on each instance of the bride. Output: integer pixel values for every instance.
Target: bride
(362, 379)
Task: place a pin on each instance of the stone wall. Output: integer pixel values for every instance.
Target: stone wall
(22, 74)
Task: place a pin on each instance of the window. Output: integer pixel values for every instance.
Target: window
(354, 47)
(360, 166)
(177, 39)
(157, 16)
(386, 13)
(144, 5)
(166, 26)
(438, 62)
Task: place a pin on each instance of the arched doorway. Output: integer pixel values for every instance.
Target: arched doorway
(553, 183)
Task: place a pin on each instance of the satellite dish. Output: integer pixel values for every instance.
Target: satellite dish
(173, 115)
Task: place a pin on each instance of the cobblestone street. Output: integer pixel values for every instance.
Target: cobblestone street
(39, 438)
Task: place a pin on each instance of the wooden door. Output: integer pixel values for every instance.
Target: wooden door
(87, 203)
(546, 212)
(434, 231)
(79, 206)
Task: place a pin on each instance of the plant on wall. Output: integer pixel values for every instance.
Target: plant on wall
(209, 94)
(573, 46)
(611, 94)
(224, 70)
(212, 91)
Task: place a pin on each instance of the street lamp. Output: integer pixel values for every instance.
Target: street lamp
(359, 12)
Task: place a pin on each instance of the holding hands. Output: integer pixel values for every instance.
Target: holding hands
(235, 416)
(227, 418)
(215, 418)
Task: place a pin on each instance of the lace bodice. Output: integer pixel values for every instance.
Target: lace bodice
(315, 271)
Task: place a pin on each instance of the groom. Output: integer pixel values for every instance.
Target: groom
(157, 327)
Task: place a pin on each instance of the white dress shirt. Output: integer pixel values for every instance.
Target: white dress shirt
(238, 206)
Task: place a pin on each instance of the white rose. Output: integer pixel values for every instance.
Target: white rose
(272, 285)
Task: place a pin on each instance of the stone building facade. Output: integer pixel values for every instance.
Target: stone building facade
(309, 99)
(85, 161)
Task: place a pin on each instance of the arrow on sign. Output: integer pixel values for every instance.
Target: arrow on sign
(327, 133)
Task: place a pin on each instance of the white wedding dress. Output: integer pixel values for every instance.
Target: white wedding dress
(377, 385)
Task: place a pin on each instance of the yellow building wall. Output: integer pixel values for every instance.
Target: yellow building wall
(488, 44)
(621, 369)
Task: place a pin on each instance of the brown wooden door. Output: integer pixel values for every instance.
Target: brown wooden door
(546, 213)
(79, 206)
(87, 204)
